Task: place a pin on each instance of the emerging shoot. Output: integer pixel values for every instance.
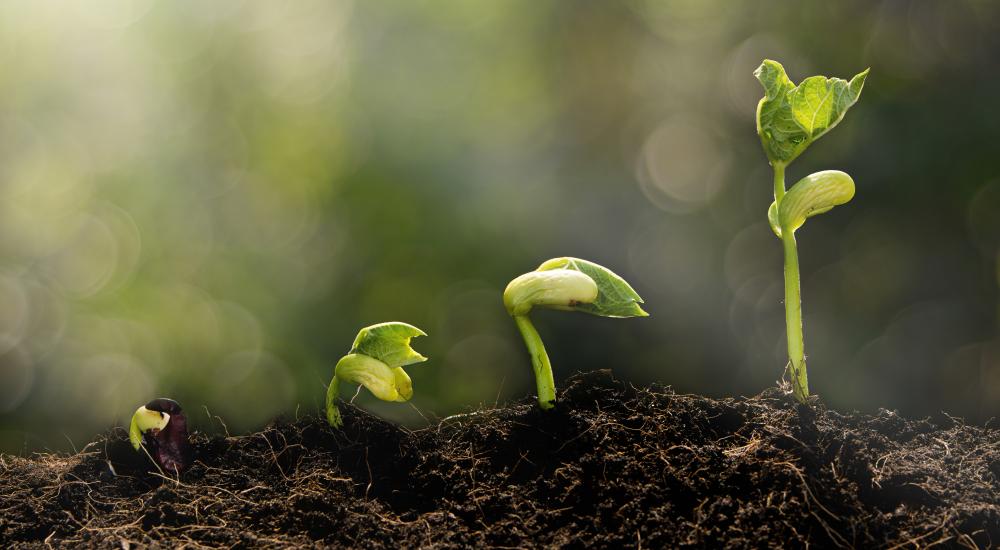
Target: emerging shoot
(375, 362)
(789, 119)
(161, 428)
(568, 284)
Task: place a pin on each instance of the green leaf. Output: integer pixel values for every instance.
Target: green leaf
(389, 343)
(776, 126)
(790, 118)
(814, 194)
(820, 103)
(615, 297)
(771, 75)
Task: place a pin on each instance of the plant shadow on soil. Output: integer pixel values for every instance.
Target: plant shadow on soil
(611, 466)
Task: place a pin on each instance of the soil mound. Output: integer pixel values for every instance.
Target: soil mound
(611, 466)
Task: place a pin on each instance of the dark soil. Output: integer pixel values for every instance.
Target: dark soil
(612, 466)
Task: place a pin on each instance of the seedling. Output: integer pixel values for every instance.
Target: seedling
(160, 428)
(789, 119)
(375, 362)
(568, 284)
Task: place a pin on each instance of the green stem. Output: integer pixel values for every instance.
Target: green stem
(332, 412)
(539, 361)
(793, 317)
(793, 298)
(779, 182)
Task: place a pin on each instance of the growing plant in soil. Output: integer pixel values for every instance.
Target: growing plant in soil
(616, 466)
(159, 428)
(568, 284)
(376, 361)
(789, 119)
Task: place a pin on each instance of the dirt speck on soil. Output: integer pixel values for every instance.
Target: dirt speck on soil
(611, 466)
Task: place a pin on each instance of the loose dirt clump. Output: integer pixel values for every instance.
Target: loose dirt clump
(612, 466)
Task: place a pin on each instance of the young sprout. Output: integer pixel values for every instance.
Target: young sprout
(789, 119)
(375, 362)
(568, 284)
(160, 427)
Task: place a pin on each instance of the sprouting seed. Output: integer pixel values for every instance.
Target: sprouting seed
(160, 427)
(568, 284)
(376, 361)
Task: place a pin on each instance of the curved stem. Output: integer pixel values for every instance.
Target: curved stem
(332, 412)
(539, 361)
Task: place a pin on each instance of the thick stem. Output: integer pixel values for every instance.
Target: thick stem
(793, 297)
(332, 412)
(539, 361)
(793, 316)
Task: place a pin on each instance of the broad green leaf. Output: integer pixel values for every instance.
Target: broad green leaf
(615, 297)
(814, 194)
(819, 103)
(389, 343)
(772, 219)
(790, 118)
(771, 75)
(779, 133)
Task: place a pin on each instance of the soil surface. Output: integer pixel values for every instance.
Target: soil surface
(611, 466)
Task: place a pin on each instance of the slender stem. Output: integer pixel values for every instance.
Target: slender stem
(332, 412)
(793, 297)
(539, 361)
(779, 182)
(793, 316)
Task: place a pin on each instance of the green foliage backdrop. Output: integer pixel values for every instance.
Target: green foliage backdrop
(207, 200)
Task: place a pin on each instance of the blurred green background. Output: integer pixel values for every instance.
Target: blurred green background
(206, 200)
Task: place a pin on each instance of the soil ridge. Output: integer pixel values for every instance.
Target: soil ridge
(611, 466)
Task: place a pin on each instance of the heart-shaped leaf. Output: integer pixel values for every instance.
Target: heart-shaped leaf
(790, 117)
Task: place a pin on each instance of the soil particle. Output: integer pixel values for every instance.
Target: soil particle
(611, 466)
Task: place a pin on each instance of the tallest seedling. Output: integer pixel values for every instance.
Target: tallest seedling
(789, 119)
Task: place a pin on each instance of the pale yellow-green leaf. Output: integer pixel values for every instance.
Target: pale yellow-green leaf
(404, 386)
(389, 343)
(772, 219)
(555, 289)
(814, 194)
(377, 377)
